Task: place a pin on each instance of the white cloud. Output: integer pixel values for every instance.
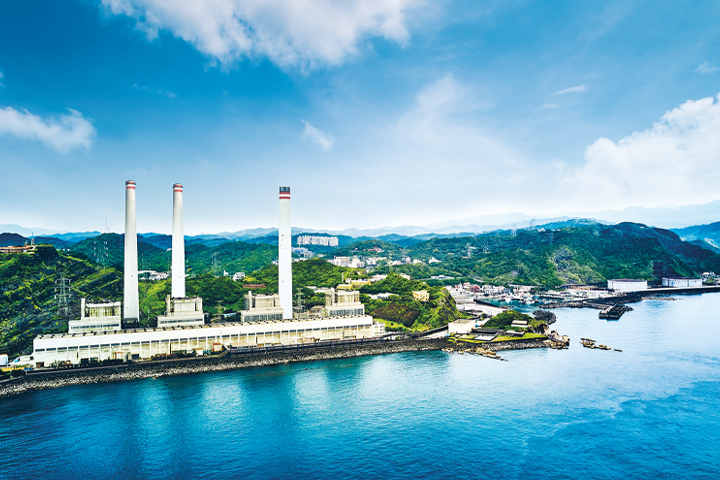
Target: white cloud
(323, 139)
(158, 91)
(291, 33)
(442, 129)
(706, 67)
(575, 89)
(674, 162)
(63, 133)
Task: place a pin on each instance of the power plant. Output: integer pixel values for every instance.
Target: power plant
(101, 334)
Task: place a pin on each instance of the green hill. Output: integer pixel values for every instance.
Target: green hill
(108, 249)
(28, 287)
(402, 308)
(583, 254)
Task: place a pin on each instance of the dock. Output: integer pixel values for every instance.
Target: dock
(613, 312)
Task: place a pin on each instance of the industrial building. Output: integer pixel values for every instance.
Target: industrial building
(102, 334)
(143, 343)
(97, 317)
(681, 282)
(627, 285)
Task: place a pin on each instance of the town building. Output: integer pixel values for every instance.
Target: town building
(421, 295)
(317, 240)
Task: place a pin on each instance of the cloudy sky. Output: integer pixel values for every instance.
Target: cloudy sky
(375, 112)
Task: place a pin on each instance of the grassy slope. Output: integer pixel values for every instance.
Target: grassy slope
(27, 286)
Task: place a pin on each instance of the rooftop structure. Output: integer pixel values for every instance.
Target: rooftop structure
(182, 312)
(343, 303)
(262, 308)
(97, 317)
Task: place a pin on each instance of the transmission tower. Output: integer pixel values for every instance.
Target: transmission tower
(104, 247)
(63, 295)
(550, 237)
(486, 247)
(299, 302)
(513, 232)
(531, 225)
(215, 264)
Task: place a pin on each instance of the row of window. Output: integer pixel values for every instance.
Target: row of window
(200, 339)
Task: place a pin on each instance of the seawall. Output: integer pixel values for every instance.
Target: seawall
(139, 371)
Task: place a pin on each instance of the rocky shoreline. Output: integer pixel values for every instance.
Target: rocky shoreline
(201, 365)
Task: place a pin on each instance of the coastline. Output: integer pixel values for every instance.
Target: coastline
(203, 365)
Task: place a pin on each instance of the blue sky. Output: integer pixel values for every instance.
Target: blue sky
(395, 112)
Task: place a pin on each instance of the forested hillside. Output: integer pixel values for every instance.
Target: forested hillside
(403, 309)
(29, 284)
(569, 255)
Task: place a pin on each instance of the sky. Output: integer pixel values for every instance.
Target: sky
(375, 112)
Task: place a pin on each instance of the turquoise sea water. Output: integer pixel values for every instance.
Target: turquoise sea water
(652, 411)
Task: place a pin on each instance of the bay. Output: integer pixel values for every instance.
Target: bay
(648, 411)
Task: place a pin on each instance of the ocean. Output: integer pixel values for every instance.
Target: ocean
(650, 411)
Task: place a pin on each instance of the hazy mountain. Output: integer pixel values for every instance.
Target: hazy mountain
(12, 240)
(670, 217)
(709, 234)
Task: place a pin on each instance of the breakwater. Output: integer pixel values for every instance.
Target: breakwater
(137, 371)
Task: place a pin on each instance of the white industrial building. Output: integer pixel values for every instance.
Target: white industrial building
(266, 320)
(480, 308)
(343, 303)
(681, 282)
(97, 317)
(627, 285)
(463, 326)
(182, 312)
(261, 308)
(143, 343)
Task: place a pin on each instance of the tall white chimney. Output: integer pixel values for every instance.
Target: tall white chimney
(178, 244)
(285, 255)
(131, 304)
